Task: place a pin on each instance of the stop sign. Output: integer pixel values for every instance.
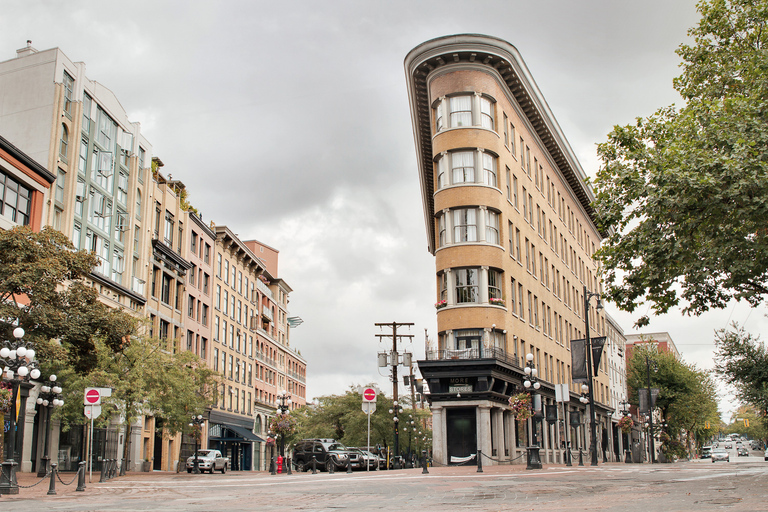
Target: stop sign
(369, 395)
(92, 396)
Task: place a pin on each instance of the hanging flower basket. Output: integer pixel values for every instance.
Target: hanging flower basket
(625, 424)
(271, 441)
(441, 304)
(521, 405)
(496, 302)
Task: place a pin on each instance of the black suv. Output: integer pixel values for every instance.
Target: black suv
(327, 452)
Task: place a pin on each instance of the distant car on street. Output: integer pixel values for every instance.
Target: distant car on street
(720, 454)
(706, 452)
(728, 446)
(742, 452)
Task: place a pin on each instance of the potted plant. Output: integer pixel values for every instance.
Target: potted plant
(441, 304)
(496, 302)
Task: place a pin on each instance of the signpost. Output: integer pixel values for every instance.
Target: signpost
(369, 407)
(92, 401)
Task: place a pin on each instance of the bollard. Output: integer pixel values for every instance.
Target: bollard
(52, 486)
(568, 457)
(103, 477)
(80, 477)
(581, 458)
(349, 465)
(272, 467)
(628, 458)
(331, 466)
(289, 465)
(314, 465)
(424, 470)
(479, 461)
(122, 467)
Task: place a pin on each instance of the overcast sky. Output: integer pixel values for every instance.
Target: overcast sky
(289, 122)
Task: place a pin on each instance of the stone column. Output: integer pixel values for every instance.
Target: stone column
(439, 447)
(484, 431)
(497, 416)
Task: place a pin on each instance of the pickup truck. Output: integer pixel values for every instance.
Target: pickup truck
(208, 460)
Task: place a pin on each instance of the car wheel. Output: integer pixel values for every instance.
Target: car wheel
(713, 461)
(224, 469)
(328, 465)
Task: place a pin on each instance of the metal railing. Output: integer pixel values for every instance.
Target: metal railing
(496, 353)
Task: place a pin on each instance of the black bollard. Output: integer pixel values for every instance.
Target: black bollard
(103, 477)
(424, 470)
(479, 461)
(349, 465)
(122, 468)
(314, 465)
(52, 486)
(628, 458)
(568, 457)
(581, 458)
(81, 477)
(272, 467)
(331, 466)
(289, 465)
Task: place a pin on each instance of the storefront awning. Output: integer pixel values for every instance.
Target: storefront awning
(233, 433)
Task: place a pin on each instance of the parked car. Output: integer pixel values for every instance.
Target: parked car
(720, 454)
(742, 452)
(373, 461)
(208, 460)
(327, 453)
(706, 452)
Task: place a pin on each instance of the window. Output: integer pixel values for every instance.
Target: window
(463, 167)
(87, 105)
(491, 227)
(465, 225)
(489, 169)
(69, 85)
(138, 204)
(122, 189)
(107, 130)
(494, 284)
(467, 282)
(64, 142)
(441, 230)
(506, 130)
(486, 113)
(460, 111)
(169, 222)
(513, 296)
(514, 191)
(193, 243)
(165, 294)
(226, 271)
(443, 278)
(468, 338)
(60, 182)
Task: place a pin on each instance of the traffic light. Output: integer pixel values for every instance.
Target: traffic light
(746, 422)
(706, 425)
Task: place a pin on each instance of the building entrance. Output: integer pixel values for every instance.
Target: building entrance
(461, 432)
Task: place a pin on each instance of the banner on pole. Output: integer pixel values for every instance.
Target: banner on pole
(579, 360)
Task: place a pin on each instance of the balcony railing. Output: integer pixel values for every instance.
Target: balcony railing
(475, 353)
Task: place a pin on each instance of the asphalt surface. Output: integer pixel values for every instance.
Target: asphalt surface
(699, 485)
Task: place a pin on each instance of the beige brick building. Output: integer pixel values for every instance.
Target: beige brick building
(508, 218)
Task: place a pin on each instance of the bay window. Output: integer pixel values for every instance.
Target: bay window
(465, 225)
(463, 167)
(464, 111)
(467, 285)
(491, 227)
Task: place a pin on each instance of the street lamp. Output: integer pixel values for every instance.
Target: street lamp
(49, 397)
(532, 381)
(625, 413)
(283, 409)
(395, 410)
(590, 373)
(197, 431)
(18, 360)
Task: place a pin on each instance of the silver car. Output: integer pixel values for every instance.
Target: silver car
(720, 454)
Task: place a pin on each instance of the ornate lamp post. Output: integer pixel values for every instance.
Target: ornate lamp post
(283, 409)
(197, 431)
(49, 397)
(532, 381)
(18, 360)
(626, 417)
(590, 374)
(396, 421)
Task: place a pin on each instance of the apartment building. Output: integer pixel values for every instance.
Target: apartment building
(508, 218)
(616, 366)
(25, 188)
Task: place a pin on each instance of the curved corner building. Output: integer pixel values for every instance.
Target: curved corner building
(509, 221)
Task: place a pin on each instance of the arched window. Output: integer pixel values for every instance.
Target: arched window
(138, 204)
(64, 142)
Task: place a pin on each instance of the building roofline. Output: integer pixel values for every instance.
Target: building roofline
(505, 59)
(26, 160)
(223, 233)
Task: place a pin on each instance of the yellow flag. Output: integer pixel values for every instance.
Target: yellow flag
(18, 405)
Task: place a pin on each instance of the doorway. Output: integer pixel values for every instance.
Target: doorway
(461, 432)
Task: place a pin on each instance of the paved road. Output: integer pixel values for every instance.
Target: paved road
(697, 485)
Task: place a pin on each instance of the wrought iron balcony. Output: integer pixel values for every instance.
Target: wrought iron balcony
(496, 353)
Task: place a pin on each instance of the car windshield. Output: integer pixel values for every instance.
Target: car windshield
(337, 447)
(203, 453)
(719, 450)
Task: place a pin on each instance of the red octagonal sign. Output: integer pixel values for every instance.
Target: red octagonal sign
(92, 396)
(369, 395)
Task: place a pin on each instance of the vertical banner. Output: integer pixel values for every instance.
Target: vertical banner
(597, 352)
(579, 360)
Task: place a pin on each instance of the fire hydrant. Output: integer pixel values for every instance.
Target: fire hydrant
(279, 463)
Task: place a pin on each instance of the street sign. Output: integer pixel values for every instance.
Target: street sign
(369, 395)
(369, 408)
(92, 411)
(561, 393)
(92, 396)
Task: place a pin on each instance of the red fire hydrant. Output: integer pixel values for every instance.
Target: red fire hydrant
(279, 463)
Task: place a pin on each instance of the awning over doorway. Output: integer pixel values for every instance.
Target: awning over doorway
(233, 433)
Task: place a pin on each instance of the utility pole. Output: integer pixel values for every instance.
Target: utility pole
(394, 361)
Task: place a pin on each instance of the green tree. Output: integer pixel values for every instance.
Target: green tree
(682, 192)
(687, 396)
(742, 361)
(41, 285)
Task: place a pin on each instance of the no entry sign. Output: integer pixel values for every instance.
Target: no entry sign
(92, 396)
(369, 395)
